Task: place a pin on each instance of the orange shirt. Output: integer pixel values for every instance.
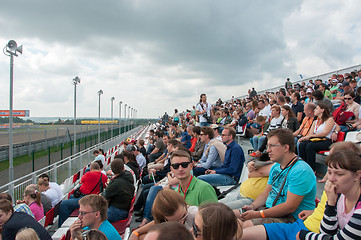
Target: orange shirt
(306, 126)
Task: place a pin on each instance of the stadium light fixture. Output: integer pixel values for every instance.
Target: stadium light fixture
(11, 49)
(75, 82)
(100, 92)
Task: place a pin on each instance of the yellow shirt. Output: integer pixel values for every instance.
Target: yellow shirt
(253, 187)
(313, 222)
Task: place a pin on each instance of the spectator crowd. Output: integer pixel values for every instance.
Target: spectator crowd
(189, 155)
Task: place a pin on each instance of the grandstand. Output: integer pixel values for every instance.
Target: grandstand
(69, 171)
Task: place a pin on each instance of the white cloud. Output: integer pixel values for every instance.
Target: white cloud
(161, 55)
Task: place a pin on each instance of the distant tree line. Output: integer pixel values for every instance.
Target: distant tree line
(4, 120)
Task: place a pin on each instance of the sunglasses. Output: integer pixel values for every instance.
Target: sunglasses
(183, 164)
(195, 230)
(346, 98)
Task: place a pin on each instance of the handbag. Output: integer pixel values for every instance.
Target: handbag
(340, 115)
(77, 193)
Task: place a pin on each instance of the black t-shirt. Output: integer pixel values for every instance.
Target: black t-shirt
(296, 108)
(143, 151)
(20, 220)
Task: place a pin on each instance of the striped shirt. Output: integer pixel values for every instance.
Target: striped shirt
(330, 229)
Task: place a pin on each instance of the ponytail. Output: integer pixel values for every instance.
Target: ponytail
(34, 194)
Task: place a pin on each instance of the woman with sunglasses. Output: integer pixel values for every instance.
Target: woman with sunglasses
(216, 221)
(352, 107)
(168, 206)
(320, 135)
(343, 189)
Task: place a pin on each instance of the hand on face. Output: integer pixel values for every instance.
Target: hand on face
(330, 190)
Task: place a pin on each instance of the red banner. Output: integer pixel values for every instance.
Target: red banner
(16, 113)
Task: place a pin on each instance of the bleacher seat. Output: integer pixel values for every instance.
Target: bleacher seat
(340, 138)
(76, 176)
(121, 225)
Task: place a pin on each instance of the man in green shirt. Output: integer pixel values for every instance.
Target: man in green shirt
(194, 191)
(326, 93)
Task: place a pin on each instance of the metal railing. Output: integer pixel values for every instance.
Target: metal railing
(323, 77)
(65, 168)
(56, 139)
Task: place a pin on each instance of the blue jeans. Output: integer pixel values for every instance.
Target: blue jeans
(257, 142)
(344, 129)
(204, 124)
(116, 214)
(149, 202)
(67, 207)
(218, 179)
(143, 196)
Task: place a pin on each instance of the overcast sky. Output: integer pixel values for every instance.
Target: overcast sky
(157, 55)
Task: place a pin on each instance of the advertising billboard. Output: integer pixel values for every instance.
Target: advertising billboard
(16, 113)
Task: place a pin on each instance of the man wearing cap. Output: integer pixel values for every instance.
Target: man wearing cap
(309, 95)
(345, 88)
(216, 130)
(334, 89)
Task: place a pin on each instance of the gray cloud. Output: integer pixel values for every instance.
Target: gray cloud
(158, 55)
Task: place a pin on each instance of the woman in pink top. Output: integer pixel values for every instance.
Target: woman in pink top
(32, 198)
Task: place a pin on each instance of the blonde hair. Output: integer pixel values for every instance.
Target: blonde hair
(26, 234)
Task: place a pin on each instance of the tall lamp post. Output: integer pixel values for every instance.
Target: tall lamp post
(100, 92)
(125, 116)
(129, 117)
(10, 50)
(75, 82)
(120, 114)
(111, 116)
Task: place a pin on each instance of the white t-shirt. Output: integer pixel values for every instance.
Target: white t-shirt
(141, 160)
(54, 193)
(265, 113)
(100, 157)
(206, 107)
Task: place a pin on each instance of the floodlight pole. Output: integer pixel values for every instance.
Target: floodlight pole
(76, 81)
(129, 117)
(100, 92)
(10, 50)
(125, 116)
(120, 114)
(11, 168)
(111, 122)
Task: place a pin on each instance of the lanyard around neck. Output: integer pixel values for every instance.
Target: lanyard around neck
(185, 192)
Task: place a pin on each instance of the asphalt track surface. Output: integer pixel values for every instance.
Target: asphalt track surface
(22, 135)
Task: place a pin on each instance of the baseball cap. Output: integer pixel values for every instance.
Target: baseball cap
(214, 126)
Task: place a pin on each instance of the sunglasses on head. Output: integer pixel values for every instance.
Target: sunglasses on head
(183, 164)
